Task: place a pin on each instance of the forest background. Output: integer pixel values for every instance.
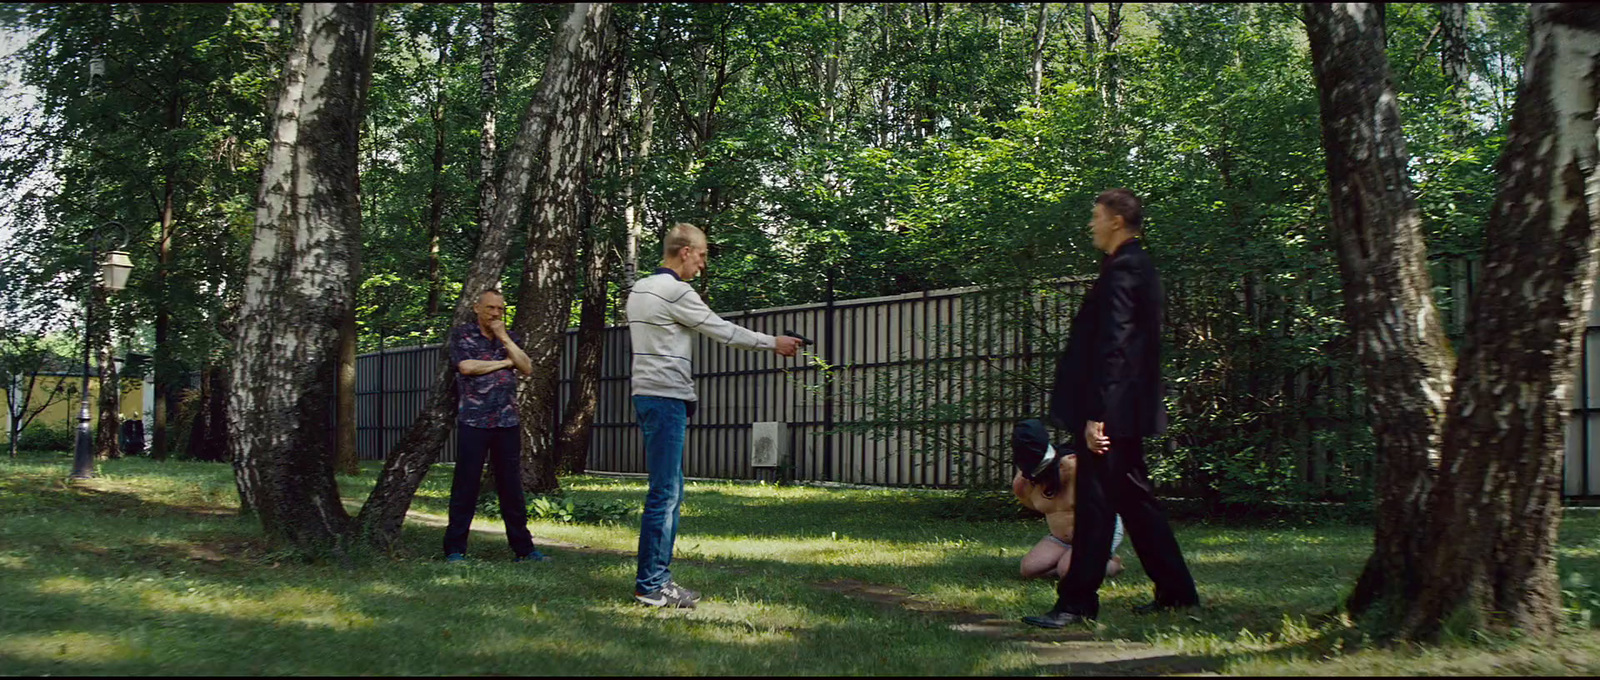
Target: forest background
(830, 151)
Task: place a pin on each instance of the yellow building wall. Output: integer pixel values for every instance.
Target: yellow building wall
(64, 412)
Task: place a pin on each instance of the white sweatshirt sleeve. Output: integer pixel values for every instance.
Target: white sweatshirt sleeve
(693, 313)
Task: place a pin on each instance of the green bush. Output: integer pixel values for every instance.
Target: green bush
(1581, 600)
(559, 508)
(46, 437)
(553, 508)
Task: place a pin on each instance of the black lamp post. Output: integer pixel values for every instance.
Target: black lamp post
(115, 271)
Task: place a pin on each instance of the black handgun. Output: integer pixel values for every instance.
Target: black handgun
(803, 339)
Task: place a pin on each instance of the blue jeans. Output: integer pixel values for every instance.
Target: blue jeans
(663, 421)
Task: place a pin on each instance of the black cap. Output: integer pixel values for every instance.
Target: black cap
(1031, 450)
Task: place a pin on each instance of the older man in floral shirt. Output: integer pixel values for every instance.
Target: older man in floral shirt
(487, 426)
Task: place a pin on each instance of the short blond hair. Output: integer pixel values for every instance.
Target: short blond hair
(680, 236)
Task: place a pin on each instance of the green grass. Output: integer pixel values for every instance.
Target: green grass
(147, 570)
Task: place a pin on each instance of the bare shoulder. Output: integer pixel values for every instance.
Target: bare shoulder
(1068, 469)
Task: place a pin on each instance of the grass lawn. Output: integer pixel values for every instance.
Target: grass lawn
(148, 570)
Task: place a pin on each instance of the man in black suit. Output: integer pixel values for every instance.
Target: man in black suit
(1107, 393)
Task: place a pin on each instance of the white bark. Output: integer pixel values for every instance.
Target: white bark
(300, 282)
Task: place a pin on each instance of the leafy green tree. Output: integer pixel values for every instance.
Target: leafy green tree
(150, 115)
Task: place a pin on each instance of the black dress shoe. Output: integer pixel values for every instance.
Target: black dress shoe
(1055, 619)
(1158, 607)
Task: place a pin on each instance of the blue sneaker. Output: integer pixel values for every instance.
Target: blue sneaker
(534, 556)
(455, 557)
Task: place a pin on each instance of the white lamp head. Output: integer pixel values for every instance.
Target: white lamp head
(115, 268)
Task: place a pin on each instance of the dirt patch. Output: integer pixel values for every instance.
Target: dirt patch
(1068, 651)
(219, 551)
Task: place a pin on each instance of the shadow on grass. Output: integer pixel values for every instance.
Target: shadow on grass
(450, 623)
(89, 601)
(70, 603)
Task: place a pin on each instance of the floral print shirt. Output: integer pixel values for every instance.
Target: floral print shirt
(487, 400)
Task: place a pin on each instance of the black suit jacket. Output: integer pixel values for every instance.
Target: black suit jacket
(1111, 369)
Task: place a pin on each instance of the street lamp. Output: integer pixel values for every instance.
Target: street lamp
(114, 270)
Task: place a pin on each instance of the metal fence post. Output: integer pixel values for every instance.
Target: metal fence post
(829, 343)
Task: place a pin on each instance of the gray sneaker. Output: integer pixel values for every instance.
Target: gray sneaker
(669, 595)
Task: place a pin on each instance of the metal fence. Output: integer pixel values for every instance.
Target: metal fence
(878, 400)
(392, 387)
(875, 401)
(1581, 474)
(916, 389)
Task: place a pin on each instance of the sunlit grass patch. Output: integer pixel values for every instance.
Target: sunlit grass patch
(60, 646)
(149, 570)
(297, 606)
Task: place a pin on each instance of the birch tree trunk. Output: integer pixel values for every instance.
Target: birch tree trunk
(1453, 60)
(577, 420)
(1475, 546)
(301, 282)
(544, 297)
(486, 140)
(1038, 52)
(1453, 48)
(1400, 343)
(633, 197)
(1113, 76)
(1491, 521)
(408, 463)
(830, 86)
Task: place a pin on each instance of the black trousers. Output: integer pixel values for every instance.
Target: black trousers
(1118, 483)
(503, 446)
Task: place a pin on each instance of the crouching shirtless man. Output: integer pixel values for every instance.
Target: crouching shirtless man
(1044, 482)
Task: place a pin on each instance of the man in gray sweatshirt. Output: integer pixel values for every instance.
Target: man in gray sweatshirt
(662, 309)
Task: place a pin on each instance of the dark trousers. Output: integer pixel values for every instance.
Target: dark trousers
(1118, 483)
(503, 446)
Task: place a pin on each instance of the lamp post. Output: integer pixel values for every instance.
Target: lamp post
(115, 271)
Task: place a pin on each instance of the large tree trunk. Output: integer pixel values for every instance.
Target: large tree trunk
(577, 421)
(109, 420)
(209, 435)
(165, 396)
(545, 296)
(1491, 521)
(1400, 344)
(385, 510)
(209, 439)
(162, 358)
(346, 461)
(301, 281)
